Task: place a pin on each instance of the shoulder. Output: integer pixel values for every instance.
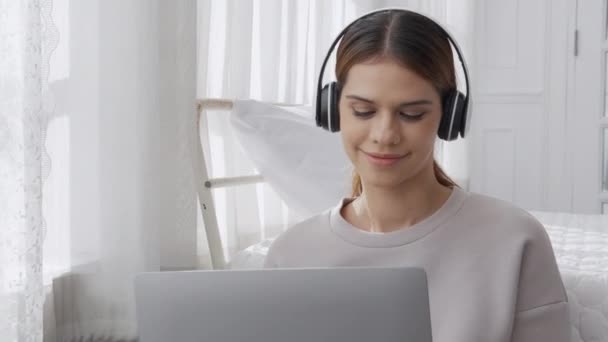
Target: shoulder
(501, 216)
(303, 233)
(510, 226)
(302, 230)
(515, 229)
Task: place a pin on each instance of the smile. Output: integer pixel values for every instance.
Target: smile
(384, 161)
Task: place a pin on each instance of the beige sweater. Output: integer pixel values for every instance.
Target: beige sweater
(491, 269)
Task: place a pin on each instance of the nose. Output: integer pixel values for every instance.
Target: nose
(385, 129)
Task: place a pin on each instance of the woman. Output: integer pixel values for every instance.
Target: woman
(491, 269)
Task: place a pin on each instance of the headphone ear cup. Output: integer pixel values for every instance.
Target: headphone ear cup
(322, 110)
(328, 117)
(452, 116)
(466, 118)
(334, 114)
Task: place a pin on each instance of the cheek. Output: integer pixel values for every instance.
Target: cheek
(351, 138)
(423, 133)
(349, 147)
(351, 128)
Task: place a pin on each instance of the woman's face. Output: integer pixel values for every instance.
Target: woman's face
(386, 108)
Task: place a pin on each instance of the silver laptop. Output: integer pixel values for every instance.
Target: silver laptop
(347, 304)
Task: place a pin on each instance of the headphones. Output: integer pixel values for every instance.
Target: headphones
(456, 109)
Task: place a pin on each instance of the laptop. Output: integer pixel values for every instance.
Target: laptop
(345, 304)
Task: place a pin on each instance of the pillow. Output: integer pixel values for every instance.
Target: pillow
(305, 164)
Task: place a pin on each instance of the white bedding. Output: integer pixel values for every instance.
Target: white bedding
(580, 243)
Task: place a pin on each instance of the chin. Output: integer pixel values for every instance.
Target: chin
(384, 179)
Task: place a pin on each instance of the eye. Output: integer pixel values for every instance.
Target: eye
(413, 116)
(362, 114)
(405, 116)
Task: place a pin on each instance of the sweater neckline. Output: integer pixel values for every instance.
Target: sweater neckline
(398, 237)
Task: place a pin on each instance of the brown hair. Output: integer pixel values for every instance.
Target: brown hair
(412, 40)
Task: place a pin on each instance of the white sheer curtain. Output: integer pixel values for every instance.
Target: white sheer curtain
(271, 50)
(27, 38)
(119, 197)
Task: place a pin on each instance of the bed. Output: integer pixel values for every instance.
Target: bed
(269, 131)
(580, 243)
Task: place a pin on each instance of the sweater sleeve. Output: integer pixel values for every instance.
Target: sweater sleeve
(545, 323)
(542, 310)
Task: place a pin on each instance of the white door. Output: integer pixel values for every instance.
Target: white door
(540, 125)
(518, 150)
(588, 112)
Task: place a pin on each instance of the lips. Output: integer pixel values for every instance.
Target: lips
(385, 155)
(384, 161)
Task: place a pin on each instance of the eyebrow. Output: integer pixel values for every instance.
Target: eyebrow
(403, 104)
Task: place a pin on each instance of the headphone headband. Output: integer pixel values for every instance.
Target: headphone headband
(441, 28)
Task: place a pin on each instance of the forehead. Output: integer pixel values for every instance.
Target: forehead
(386, 78)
